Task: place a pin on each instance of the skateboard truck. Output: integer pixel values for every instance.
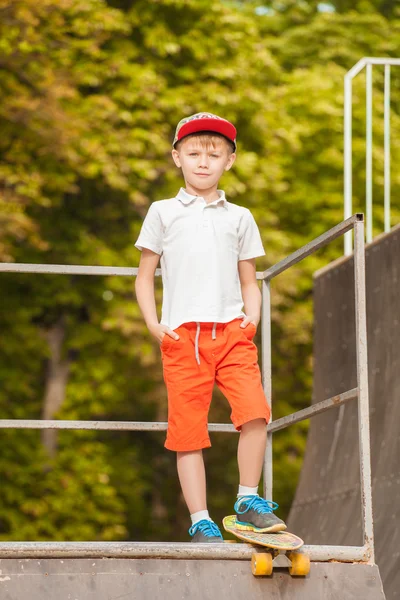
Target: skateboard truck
(262, 563)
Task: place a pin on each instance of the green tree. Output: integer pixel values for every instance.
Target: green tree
(90, 96)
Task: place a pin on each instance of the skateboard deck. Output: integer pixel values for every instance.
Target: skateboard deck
(262, 563)
(281, 540)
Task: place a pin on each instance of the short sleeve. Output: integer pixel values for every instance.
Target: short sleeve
(150, 235)
(250, 243)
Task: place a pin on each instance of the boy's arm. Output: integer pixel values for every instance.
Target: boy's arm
(250, 246)
(144, 286)
(251, 293)
(149, 243)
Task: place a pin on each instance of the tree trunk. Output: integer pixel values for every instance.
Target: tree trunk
(56, 380)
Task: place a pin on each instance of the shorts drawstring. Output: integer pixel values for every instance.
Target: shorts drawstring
(196, 345)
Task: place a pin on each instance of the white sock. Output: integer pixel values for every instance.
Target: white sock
(247, 491)
(198, 516)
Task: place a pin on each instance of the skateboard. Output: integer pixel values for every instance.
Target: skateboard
(281, 541)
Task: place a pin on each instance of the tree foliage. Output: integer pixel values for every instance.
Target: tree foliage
(90, 96)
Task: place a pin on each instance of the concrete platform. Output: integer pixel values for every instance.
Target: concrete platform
(161, 579)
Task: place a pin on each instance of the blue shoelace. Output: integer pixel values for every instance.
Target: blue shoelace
(256, 503)
(208, 528)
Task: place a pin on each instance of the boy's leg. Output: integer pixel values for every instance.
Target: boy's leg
(252, 511)
(192, 478)
(239, 378)
(189, 388)
(251, 451)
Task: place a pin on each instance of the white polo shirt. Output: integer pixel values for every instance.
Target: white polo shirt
(200, 245)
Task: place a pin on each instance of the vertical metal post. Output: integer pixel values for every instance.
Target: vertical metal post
(362, 383)
(387, 147)
(267, 382)
(368, 166)
(348, 99)
(366, 62)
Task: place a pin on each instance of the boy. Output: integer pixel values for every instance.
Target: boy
(208, 248)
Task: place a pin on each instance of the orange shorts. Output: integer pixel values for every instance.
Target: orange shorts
(230, 360)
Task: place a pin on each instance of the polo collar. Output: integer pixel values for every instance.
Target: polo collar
(186, 198)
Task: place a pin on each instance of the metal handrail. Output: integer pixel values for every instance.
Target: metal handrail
(367, 62)
(355, 222)
(300, 415)
(189, 550)
(177, 550)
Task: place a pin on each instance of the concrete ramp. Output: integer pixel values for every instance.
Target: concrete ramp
(158, 579)
(327, 507)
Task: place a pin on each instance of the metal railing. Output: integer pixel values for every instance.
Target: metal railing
(367, 62)
(363, 553)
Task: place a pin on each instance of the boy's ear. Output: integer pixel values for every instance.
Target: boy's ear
(175, 156)
(230, 161)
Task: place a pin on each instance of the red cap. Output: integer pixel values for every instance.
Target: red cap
(205, 122)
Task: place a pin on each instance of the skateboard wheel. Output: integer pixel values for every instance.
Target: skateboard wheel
(230, 541)
(261, 563)
(300, 564)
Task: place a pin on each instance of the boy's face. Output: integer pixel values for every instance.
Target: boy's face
(202, 165)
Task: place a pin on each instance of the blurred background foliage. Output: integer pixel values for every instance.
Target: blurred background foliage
(90, 94)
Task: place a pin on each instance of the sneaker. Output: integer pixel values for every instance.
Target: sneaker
(253, 513)
(205, 531)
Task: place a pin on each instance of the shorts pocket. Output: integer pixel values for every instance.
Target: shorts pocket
(249, 331)
(168, 341)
